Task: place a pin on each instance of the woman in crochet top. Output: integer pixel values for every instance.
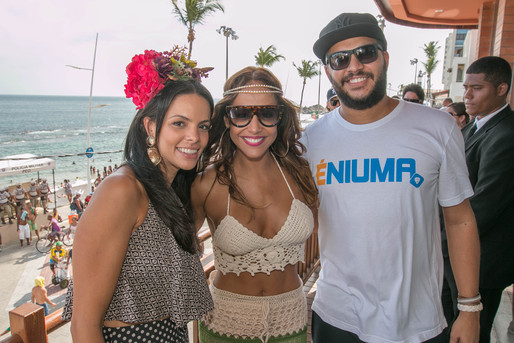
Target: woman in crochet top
(258, 198)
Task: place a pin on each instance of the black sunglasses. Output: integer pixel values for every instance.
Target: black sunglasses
(417, 101)
(268, 115)
(365, 54)
(334, 102)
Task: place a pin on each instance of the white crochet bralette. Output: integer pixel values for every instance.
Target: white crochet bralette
(238, 249)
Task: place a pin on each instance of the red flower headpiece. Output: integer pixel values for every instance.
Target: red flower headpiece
(148, 72)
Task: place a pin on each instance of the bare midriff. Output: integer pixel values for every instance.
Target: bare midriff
(261, 284)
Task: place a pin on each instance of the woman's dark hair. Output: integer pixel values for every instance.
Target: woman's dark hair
(460, 110)
(286, 147)
(415, 88)
(173, 204)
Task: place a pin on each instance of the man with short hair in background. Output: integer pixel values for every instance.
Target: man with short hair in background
(332, 100)
(5, 205)
(44, 191)
(19, 195)
(489, 142)
(381, 167)
(446, 102)
(413, 93)
(33, 192)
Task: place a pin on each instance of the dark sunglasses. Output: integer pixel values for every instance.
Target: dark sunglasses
(268, 115)
(365, 54)
(334, 102)
(417, 101)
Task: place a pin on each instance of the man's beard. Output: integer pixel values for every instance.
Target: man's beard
(377, 93)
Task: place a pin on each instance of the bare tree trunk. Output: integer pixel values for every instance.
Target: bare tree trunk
(190, 49)
(190, 39)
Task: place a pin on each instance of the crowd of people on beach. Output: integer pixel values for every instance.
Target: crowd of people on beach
(37, 194)
(402, 197)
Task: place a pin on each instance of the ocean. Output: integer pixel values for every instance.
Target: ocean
(52, 126)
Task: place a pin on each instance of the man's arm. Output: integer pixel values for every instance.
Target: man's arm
(494, 187)
(464, 250)
(45, 294)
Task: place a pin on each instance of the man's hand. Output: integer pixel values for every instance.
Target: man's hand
(466, 328)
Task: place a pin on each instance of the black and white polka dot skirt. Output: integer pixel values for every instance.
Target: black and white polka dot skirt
(159, 331)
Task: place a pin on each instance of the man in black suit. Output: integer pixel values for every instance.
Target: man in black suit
(489, 143)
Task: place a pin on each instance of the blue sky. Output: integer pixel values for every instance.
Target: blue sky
(39, 37)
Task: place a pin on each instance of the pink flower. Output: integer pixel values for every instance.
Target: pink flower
(143, 80)
(147, 73)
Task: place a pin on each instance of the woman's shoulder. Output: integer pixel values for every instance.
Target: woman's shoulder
(203, 185)
(205, 179)
(121, 185)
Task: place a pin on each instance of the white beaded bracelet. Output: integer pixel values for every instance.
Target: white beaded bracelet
(470, 308)
(469, 300)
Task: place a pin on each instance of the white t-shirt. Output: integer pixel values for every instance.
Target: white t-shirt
(4, 197)
(19, 193)
(379, 233)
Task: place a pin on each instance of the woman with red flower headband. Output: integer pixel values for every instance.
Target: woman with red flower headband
(137, 272)
(258, 198)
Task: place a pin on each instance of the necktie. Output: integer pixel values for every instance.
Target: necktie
(471, 132)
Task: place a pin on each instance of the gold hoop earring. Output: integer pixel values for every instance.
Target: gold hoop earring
(153, 153)
(285, 152)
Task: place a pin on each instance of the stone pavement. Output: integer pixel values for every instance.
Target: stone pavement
(19, 266)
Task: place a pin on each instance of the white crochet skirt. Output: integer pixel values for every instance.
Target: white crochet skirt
(244, 318)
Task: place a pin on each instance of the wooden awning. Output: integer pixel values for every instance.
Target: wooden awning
(441, 14)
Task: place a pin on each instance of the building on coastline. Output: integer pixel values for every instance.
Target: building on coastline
(458, 55)
(490, 25)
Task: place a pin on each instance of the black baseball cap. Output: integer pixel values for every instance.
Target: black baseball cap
(331, 93)
(348, 25)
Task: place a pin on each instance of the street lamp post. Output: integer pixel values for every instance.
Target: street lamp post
(227, 32)
(414, 61)
(88, 173)
(421, 74)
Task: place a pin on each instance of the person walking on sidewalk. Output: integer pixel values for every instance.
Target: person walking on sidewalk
(31, 220)
(381, 167)
(68, 192)
(40, 296)
(23, 226)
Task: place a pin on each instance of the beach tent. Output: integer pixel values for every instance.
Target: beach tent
(24, 164)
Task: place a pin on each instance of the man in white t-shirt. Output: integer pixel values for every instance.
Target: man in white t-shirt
(382, 166)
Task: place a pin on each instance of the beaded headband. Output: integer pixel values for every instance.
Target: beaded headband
(248, 89)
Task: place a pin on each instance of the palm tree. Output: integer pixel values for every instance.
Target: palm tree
(266, 58)
(308, 70)
(194, 12)
(430, 50)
